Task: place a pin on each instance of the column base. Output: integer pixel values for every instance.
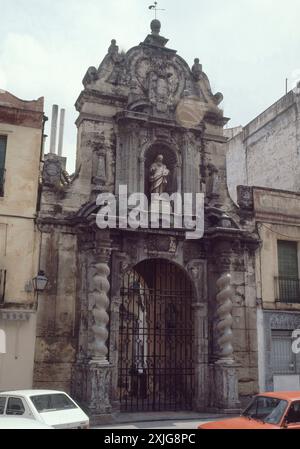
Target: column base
(91, 387)
(226, 396)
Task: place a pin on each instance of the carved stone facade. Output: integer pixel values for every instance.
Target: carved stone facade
(134, 107)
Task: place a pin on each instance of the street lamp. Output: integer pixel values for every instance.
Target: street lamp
(40, 282)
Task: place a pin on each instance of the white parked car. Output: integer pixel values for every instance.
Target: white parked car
(53, 408)
(22, 423)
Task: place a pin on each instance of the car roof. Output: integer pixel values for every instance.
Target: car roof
(27, 393)
(286, 395)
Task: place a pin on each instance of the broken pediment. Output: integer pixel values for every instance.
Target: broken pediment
(153, 78)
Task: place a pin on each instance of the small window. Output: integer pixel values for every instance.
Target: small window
(3, 145)
(288, 280)
(2, 404)
(15, 406)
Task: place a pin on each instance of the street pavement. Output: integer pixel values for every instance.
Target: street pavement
(159, 421)
(157, 425)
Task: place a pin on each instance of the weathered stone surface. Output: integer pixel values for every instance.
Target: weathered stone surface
(56, 372)
(54, 350)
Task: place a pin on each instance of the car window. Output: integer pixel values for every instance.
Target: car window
(293, 414)
(15, 406)
(52, 402)
(266, 409)
(2, 404)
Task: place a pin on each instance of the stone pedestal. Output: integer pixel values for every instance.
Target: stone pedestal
(226, 396)
(98, 388)
(91, 388)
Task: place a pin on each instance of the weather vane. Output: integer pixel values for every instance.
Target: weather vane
(155, 8)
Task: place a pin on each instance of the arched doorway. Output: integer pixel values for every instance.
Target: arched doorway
(156, 369)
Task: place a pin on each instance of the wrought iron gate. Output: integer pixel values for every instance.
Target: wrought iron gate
(156, 370)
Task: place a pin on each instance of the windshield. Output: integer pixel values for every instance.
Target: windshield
(266, 409)
(52, 402)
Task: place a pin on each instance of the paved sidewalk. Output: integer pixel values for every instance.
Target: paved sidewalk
(159, 420)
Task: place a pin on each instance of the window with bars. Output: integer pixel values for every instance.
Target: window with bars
(284, 361)
(3, 145)
(287, 283)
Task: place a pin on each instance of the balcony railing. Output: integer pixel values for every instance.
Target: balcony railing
(287, 290)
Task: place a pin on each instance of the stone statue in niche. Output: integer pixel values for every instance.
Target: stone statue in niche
(213, 185)
(158, 175)
(99, 161)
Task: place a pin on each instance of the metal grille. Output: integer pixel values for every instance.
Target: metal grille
(283, 359)
(287, 290)
(156, 370)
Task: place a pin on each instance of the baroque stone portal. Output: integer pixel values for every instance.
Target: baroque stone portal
(140, 318)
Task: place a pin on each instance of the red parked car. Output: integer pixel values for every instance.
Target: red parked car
(279, 410)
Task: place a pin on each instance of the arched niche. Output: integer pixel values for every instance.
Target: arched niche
(170, 160)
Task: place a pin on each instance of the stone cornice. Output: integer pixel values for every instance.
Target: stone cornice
(21, 117)
(94, 96)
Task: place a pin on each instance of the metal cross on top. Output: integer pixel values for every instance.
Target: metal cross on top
(155, 8)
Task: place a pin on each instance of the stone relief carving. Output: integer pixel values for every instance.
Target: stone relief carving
(245, 197)
(165, 244)
(173, 245)
(52, 172)
(159, 79)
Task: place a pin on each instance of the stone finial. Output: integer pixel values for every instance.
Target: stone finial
(224, 311)
(155, 27)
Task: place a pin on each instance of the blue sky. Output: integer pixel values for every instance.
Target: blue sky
(247, 48)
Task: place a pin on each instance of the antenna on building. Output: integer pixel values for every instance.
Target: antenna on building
(53, 128)
(286, 85)
(61, 131)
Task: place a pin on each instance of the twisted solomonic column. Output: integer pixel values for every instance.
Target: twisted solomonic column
(224, 326)
(101, 288)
